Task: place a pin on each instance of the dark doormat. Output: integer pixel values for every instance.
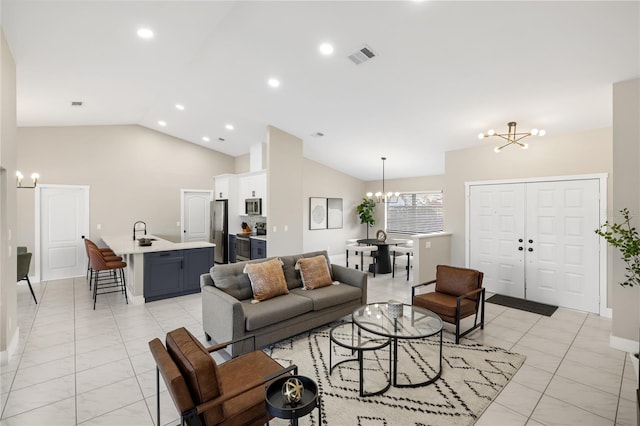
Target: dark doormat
(523, 305)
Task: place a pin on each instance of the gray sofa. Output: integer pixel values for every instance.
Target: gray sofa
(228, 314)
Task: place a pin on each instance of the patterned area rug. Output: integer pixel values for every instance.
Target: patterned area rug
(472, 376)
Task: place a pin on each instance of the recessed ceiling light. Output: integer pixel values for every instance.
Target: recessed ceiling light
(273, 82)
(162, 123)
(180, 107)
(206, 138)
(326, 49)
(229, 126)
(145, 33)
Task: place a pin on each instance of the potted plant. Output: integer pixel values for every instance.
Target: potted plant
(365, 213)
(625, 238)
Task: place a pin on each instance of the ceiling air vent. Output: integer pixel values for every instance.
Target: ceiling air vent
(362, 55)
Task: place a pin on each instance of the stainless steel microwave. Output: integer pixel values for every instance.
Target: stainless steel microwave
(253, 206)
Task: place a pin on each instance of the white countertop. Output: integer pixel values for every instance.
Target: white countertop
(259, 237)
(126, 245)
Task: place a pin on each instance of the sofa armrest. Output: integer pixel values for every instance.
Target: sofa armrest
(205, 279)
(222, 316)
(351, 277)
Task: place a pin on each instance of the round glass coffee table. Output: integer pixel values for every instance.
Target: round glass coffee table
(352, 337)
(411, 322)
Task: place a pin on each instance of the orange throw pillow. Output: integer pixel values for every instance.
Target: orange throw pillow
(267, 279)
(314, 272)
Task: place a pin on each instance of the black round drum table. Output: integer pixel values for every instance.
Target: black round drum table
(278, 407)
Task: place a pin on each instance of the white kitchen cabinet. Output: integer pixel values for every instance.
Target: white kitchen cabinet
(253, 185)
(225, 186)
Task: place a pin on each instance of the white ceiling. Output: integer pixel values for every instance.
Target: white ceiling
(445, 71)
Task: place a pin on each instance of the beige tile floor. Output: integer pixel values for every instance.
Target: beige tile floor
(75, 365)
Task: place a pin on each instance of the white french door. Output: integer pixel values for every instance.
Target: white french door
(536, 240)
(63, 213)
(562, 264)
(497, 225)
(196, 215)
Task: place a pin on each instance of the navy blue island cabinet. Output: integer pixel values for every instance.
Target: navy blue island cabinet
(174, 273)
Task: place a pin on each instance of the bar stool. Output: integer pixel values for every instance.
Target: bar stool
(399, 253)
(114, 277)
(107, 253)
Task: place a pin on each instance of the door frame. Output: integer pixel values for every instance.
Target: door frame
(604, 310)
(182, 194)
(38, 230)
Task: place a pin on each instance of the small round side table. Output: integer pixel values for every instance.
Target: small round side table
(278, 407)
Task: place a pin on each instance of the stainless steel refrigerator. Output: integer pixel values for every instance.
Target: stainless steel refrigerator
(220, 230)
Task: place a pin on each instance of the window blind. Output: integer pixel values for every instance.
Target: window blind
(415, 213)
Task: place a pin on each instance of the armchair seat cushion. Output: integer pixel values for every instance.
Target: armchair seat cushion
(245, 369)
(445, 305)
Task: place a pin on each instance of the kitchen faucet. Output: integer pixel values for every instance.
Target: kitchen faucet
(134, 229)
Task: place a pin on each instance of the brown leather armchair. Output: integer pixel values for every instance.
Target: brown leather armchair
(458, 294)
(232, 393)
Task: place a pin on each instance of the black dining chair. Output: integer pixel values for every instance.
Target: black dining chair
(24, 262)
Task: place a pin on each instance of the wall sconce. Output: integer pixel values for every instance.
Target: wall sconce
(19, 177)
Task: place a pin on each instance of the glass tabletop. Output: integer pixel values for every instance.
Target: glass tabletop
(345, 335)
(412, 323)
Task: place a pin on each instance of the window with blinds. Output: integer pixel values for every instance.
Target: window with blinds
(415, 213)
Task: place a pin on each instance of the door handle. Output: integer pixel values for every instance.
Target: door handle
(529, 249)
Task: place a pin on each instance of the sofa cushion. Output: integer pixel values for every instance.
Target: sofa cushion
(230, 279)
(329, 296)
(314, 272)
(294, 280)
(267, 279)
(274, 310)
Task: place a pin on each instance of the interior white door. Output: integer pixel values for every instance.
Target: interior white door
(495, 234)
(196, 215)
(562, 258)
(64, 219)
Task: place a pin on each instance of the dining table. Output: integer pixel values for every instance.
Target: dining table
(383, 259)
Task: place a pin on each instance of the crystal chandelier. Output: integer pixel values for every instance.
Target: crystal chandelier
(382, 197)
(512, 136)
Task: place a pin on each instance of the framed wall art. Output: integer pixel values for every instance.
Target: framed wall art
(334, 213)
(317, 213)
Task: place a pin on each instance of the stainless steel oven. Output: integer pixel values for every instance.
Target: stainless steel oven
(243, 248)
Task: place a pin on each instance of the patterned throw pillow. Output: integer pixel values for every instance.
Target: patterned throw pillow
(314, 272)
(267, 279)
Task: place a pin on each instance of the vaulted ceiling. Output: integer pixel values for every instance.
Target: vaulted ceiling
(444, 71)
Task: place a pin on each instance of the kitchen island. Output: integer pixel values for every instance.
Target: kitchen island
(164, 269)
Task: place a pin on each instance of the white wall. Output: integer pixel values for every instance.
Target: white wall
(322, 181)
(134, 173)
(284, 193)
(551, 155)
(8, 211)
(626, 194)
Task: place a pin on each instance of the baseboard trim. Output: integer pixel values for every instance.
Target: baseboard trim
(623, 344)
(5, 356)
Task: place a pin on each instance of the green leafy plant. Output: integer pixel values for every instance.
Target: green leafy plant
(365, 213)
(625, 238)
